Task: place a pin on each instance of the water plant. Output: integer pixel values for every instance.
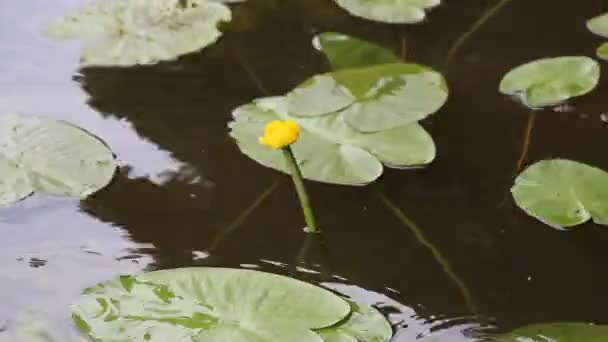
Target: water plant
(599, 26)
(563, 193)
(558, 332)
(218, 304)
(132, 32)
(54, 157)
(389, 11)
(547, 82)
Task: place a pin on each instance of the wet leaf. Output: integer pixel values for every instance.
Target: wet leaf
(599, 25)
(563, 193)
(131, 32)
(551, 81)
(556, 332)
(389, 11)
(50, 156)
(365, 324)
(329, 150)
(208, 304)
(375, 98)
(346, 52)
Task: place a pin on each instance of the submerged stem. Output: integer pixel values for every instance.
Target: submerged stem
(243, 216)
(526, 141)
(441, 260)
(254, 77)
(467, 34)
(298, 181)
(403, 46)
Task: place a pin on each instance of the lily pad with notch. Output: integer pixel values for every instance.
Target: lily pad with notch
(372, 99)
(550, 81)
(329, 150)
(563, 193)
(52, 157)
(365, 324)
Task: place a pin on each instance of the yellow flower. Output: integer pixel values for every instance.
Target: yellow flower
(278, 134)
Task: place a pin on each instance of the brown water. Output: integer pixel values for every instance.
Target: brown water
(442, 249)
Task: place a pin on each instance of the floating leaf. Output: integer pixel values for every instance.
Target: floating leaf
(550, 81)
(346, 52)
(50, 156)
(328, 149)
(599, 25)
(376, 98)
(130, 32)
(389, 11)
(563, 193)
(208, 304)
(602, 51)
(365, 324)
(556, 332)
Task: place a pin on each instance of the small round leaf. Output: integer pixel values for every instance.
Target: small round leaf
(563, 193)
(550, 81)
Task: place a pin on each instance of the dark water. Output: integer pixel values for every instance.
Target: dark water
(442, 249)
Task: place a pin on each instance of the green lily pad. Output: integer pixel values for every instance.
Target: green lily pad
(602, 51)
(328, 149)
(563, 193)
(346, 52)
(599, 25)
(131, 32)
(207, 304)
(374, 99)
(556, 332)
(551, 81)
(389, 11)
(52, 157)
(365, 324)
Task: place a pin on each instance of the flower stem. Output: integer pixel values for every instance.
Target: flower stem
(298, 181)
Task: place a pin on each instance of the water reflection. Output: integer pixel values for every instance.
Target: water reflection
(50, 251)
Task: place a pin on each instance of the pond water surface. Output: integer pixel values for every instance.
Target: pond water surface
(442, 249)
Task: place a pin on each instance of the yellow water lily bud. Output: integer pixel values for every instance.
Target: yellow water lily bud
(278, 134)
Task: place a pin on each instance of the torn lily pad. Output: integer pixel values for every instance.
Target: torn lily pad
(52, 157)
(329, 150)
(563, 193)
(132, 32)
(375, 98)
(207, 304)
(346, 52)
(389, 11)
(550, 81)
